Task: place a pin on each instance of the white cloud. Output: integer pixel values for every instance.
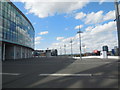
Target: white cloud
(66, 28)
(50, 8)
(34, 23)
(95, 17)
(79, 26)
(36, 43)
(89, 28)
(43, 33)
(106, 27)
(59, 38)
(94, 37)
(80, 15)
(67, 40)
(55, 44)
(100, 35)
(37, 40)
(102, 1)
(109, 16)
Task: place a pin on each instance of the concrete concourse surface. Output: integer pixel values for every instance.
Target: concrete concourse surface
(60, 72)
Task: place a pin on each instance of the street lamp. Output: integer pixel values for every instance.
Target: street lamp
(118, 23)
(60, 51)
(84, 47)
(65, 49)
(71, 47)
(80, 41)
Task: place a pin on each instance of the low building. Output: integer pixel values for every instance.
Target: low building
(47, 53)
(116, 50)
(39, 53)
(54, 52)
(96, 52)
(105, 48)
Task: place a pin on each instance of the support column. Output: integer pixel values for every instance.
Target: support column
(28, 53)
(25, 52)
(3, 52)
(14, 52)
(21, 53)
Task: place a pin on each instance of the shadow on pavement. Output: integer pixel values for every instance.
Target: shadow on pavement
(107, 77)
(30, 68)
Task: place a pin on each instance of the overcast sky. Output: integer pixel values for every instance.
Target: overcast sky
(57, 22)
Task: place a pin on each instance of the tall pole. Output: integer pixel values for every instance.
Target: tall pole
(60, 51)
(118, 23)
(84, 48)
(80, 42)
(65, 49)
(4, 51)
(71, 48)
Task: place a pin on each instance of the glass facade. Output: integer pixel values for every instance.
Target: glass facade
(14, 26)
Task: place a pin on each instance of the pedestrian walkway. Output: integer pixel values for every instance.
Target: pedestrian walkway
(109, 57)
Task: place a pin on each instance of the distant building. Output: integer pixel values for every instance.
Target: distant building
(105, 48)
(47, 53)
(16, 32)
(113, 52)
(88, 54)
(54, 52)
(96, 52)
(116, 50)
(39, 53)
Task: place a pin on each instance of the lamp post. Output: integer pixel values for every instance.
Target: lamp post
(60, 51)
(84, 46)
(117, 9)
(79, 32)
(65, 49)
(71, 48)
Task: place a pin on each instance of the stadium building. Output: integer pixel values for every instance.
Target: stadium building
(16, 33)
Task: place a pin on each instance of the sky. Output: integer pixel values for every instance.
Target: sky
(56, 23)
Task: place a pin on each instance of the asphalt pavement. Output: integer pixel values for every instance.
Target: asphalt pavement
(60, 72)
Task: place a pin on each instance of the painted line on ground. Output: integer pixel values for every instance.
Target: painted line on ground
(10, 74)
(64, 75)
(93, 62)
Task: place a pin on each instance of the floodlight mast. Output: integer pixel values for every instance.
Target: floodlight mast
(79, 32)
(118, 23)
(71, 48)
(64, 49)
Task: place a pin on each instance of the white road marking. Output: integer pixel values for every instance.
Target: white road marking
(63, 75)
(109, 57)
(93, 62)
(10, 74)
